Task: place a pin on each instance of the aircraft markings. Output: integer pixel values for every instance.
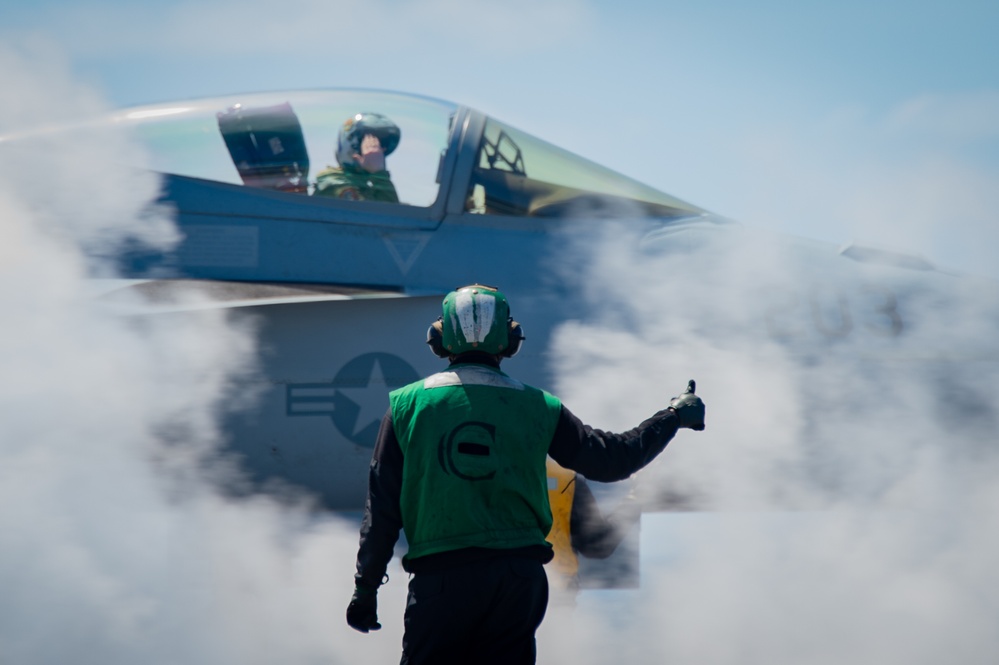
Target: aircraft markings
(405, 248)
(357, 397)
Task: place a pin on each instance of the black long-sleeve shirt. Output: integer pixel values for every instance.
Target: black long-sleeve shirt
(594, 534)
(598, 455)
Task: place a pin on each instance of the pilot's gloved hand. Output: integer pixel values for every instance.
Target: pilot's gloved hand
(362, 613)
(372, 156)
(689, 408)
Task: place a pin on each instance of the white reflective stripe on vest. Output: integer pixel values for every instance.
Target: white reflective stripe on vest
(471, 376)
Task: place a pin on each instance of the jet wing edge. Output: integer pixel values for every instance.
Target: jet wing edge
(184, 295)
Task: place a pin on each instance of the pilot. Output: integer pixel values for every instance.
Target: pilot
(459, 466)
(580, 528)
(363, 143)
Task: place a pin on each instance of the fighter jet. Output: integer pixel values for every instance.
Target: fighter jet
(283, 223)
(344, 287)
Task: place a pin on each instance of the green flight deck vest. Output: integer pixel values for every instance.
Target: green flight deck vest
(474, 443)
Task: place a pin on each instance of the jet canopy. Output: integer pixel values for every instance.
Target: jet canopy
(284, 141)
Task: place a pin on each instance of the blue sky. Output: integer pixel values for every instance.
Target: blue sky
(874, 122)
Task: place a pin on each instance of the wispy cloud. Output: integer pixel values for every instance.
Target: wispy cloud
(917, 178)
(344, 33)
(967, 116)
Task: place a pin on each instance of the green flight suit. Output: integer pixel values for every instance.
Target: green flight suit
(356, 185)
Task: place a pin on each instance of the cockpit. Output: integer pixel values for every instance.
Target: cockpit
(448, 159)
(281, 142)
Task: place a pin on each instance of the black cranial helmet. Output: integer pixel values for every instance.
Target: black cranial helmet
(354, 130)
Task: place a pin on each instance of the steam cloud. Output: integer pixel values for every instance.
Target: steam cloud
(113, 547)
(849, 462)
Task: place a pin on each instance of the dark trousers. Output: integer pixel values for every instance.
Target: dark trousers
(482, 612)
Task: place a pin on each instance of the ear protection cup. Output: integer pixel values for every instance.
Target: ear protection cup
(435, 338)
(515, 337)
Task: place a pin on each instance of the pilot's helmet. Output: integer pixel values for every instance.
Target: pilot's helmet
(475, 318)
(356, 127)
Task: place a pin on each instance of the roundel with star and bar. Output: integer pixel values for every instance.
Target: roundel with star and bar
(357, 398)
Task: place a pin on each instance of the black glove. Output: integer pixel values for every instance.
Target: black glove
(362, 613)
(689, 408)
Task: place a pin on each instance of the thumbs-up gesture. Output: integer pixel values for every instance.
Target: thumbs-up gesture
(689, 408)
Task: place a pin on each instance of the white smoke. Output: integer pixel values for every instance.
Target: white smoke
(113, 546)
(847, 469)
